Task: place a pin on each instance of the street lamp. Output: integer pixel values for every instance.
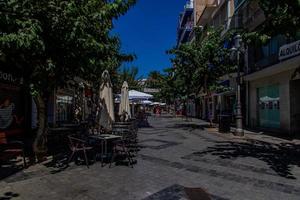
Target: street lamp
(239, 118)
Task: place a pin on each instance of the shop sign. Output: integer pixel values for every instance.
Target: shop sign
(289, 50)
(151, 90)
(9, 78)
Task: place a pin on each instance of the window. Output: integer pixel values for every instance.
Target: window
(64, 108)
(268, 103)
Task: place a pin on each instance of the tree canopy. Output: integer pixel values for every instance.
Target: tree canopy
(52, 41)
(129, 74)
(282, 17)
(198, 65)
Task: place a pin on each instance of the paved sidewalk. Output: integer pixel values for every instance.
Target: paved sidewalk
(255, 135)
(175, 155)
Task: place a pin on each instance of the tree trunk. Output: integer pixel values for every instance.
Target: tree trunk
(40, 142)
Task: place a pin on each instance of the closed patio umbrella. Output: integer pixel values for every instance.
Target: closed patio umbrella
(124, 105)
(107, 115)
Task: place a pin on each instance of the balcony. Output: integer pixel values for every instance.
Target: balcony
(187, 13)
(238, 3)
(205, 10)
(253, 20)
(233, 22)
(184, 32)
(250, 15)
(267, 55)
(263, 63)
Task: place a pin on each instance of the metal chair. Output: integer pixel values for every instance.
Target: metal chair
(76, 146)
(128, 146)
(128, 133)
(119, 148)
(11, 149)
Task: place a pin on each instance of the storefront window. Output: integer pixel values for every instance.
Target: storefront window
(64, 108)
(12, 107)
(269, 106)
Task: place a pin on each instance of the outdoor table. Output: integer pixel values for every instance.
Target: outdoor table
(104, 138)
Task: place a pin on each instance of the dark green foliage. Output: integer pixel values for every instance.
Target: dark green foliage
(282, 17)
(53, 41)
(129, 74)
(199, 64)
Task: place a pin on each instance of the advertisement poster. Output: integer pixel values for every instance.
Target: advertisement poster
(11, 107)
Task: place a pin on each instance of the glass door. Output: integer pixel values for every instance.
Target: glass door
(269, 106)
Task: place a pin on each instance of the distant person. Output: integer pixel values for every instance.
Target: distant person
(158, 111)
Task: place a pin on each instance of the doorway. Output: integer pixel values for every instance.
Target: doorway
(295, 107)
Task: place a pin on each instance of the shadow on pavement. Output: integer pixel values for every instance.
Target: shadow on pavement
(279, 157)
(190, 126)
(180, 192)
(9, 195)
(144, 124)
(6, 171)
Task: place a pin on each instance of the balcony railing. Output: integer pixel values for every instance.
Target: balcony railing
(184, 32)
(187, 13)
(237, 3)
(188, 26)
(263, 63)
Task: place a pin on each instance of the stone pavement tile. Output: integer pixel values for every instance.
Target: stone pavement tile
(241, 177)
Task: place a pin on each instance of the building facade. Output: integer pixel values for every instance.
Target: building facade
(218, 14)
(271, 72)
(15, 107)
(271, 80)
(185, 23)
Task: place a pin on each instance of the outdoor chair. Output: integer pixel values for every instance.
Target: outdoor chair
(120, 149)
(128, 133)
(11, 149)
(78, 146)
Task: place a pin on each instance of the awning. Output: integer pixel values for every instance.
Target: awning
(139, 96)
(146, 102)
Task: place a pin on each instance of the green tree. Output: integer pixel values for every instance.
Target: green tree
(282, 17)
(154, 79)
(168, 89)
(199, 64)
(129, 74)
(52, 41)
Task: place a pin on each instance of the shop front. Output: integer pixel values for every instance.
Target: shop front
(14, 103)
(70, 105)
(15, 115)
(273, 98)
(268, 103)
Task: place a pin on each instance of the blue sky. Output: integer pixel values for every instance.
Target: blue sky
(148, 30)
